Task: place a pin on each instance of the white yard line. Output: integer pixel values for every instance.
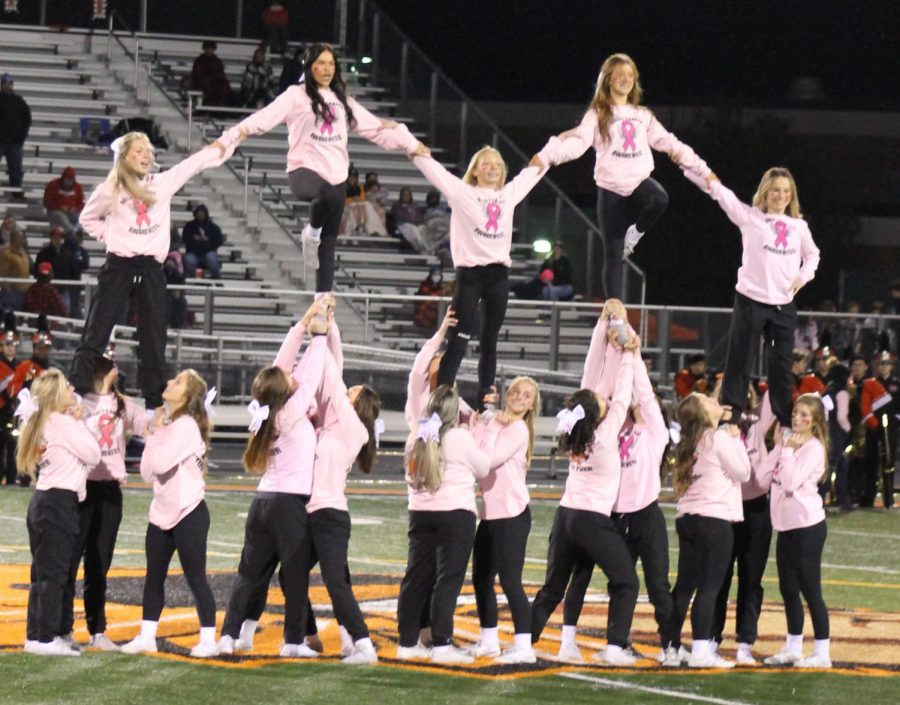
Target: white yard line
(625, 685)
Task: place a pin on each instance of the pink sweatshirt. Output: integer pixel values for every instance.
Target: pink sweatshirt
(111, 433)
(625, 161)
(290, 467)
(641, 448)
(70, 449)
(794, 473)
(127, 226)
(776, 248)
(755, 443)
(418, 387)
(173, 463)
(339, 442)
(715, 489)
(504, 492)
(318, 145)
(593, 482)
(462, 463)
(481, 219)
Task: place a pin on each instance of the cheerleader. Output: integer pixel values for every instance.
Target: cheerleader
(481, 225)
(502, 534)
(443, 462)
(57, 447)
(779, 258)
(622, 132)
(174, 463)
(130, 213)
(115, 417)
(583, 529)
(792, 471)
(319, 117)
(710, 466)
(282, 447)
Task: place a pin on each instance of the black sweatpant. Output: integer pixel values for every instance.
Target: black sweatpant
(880, 452)
(99, 516)
(614, 214)
(440, 544)
(188, 537)
(579, 536)
(52, 523)
(115, 282)
(7, 445)
(331, 540)
(798, 554)
(325, 211)
(749, 321)
(752, 539)
(277, 530)
(488, 286)
(704, 549)
(499, 550)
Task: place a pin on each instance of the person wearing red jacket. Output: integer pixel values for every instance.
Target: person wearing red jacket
(693, 377)
(881, 393)
(805, 382)
(7, 373)
(870, 396)
(64, 199)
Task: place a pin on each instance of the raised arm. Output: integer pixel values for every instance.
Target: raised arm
(212, 155)
(385, 133)
(79, 441)
(273, 114)
(451, 186)
(417, 386)
(732, 454)
(570, 144)
(522, 184)
(662, 140)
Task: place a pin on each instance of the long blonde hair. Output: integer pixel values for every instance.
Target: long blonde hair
(470, 178)
(602, 101)
(49, 394)
(425, 459)
(123, 177)
(819, 423)
(695, 422)
(765, 184)
(195, 407)
(530, 414)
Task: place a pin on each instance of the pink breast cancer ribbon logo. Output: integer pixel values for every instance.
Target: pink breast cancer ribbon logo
(781, 233)
(326, 128)
(493, 212)
(628, 134)
(625, 444)
(142, 217)
(107, 425)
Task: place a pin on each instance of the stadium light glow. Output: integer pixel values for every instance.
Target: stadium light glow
(365, 60)
(542, 247)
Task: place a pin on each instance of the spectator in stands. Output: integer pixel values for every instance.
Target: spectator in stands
(826, 325)
(61, 260)
(806, 335)
(375, 194)
(291, 70)
(805, 382)
(275, 20)
(426, 312)
(14, 264)
(208, 75)
(81, 261)
(42, 296)
(360, 214)
(258, 82)
(64, 199)
(692, 378)
(176, 302)
(202, 238)
(408, 218)
(436, 228)
(553, 282)
(876, 334)
(7, 226)
(15, 122)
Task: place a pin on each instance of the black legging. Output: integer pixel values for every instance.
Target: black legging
(325, 211)
(614, 214)
(188, 537)
(798, 554)
(500, 551)
(488, 285)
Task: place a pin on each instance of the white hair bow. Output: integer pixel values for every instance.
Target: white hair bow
(568, 418)
(259, 414)
(116, 147)
(828, 403)
(675, 432)
(27, 406)
(208, 401)
(430, 429)
(378, 427)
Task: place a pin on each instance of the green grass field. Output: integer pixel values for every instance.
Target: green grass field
(862, 586)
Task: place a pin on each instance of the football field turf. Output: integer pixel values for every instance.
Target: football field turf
(861, 576)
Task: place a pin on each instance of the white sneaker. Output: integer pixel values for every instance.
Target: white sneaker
(615, 657)
(205, 650)
(632, 237)
(297, 651)
(669, 658)
(139, 645)
(450, 655)
(361, 654)
(242, 645)
(712, 660)
(745, 658)
(57, 647)
(103, 643)
(516, 655)
(783, 658)
(813, 662)
(404, 653)
(226, 645)
(570, 653)
(69, 640)
(346, 642)
(481, 650)
(310, 247)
